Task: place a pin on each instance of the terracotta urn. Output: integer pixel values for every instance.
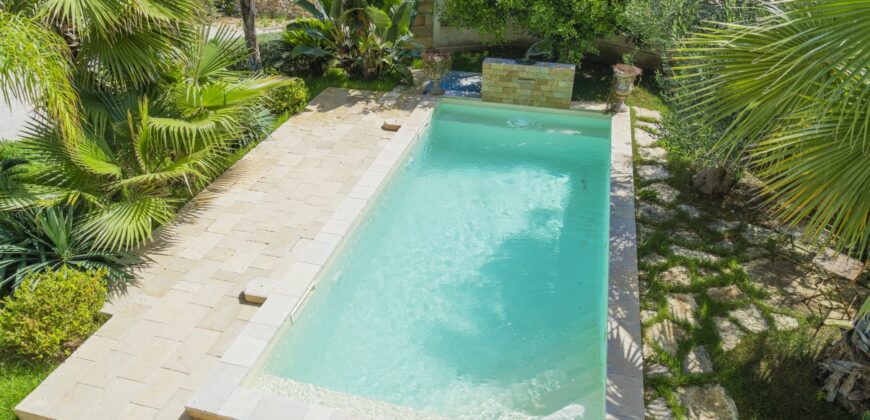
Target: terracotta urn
(624, 76)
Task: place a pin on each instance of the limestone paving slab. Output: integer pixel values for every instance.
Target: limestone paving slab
(643, 138)
(652, 172)
(664, 192)
(167, 332)
(647, 113)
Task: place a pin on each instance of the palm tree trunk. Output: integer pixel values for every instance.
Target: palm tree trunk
(249, 14)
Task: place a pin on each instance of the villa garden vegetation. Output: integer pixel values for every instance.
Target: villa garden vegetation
(141, 104)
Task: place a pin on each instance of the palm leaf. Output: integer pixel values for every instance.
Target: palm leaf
(793, 90)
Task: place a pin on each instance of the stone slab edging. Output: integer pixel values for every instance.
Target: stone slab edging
(222, 395)
(624, 351)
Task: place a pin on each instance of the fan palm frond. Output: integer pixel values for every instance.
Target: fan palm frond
(794, 92)
(129, 222)
(35, 67)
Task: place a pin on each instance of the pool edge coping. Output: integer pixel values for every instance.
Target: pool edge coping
(624, 395)
(223, 395)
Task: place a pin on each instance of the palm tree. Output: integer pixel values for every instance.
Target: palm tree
(51, 46)
(140, 148)
(248, 10)
(36, 67)
(793, 90)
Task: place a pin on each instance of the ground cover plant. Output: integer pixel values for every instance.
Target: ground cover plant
(735, 313)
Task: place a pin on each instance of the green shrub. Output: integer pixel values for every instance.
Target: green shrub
(289, 99)
(52, 312)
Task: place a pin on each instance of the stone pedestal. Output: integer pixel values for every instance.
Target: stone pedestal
(541, 84)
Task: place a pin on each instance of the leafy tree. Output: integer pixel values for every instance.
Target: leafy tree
(568, 27)
(659, 24)
(792, 90)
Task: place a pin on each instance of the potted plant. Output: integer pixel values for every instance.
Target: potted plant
(437, 62)
(623, 83)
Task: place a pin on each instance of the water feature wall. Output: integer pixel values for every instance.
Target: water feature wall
(541, 84)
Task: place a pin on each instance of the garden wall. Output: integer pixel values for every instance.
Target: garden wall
(430, 32)
(542, 84)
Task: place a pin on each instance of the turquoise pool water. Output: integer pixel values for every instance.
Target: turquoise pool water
(475, 287)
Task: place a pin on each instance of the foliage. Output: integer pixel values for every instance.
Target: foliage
(227, 7)
(283, 55)
(368, 39)
(289, 99)
(35, 241)
(35, 66)
(805, 126)
(52, 313)
(659, 24)
(139, 154)
(568, 28)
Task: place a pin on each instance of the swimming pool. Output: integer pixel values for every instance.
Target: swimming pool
(475, 285)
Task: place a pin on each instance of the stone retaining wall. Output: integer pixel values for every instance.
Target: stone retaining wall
(543, 84)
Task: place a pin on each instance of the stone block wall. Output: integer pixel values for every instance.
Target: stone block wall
(546, 85)
(423, 27)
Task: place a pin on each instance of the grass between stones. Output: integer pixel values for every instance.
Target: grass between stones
(769, 375)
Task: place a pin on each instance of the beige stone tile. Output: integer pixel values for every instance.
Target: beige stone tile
(169, 305)
(137, 412)
(55, 387)
(243, 257)
(138, 336)
(211, 294)
(174, 408)
(221, 315)
(95, 348)
(106, 371)
(183, 323)
(195, 346)
(151, 357)
(77, 400)
(159, 387)
(227, 336)
(200, 371)
(117, 395)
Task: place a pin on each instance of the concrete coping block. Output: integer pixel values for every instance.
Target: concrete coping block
(207, 401)
(391, 125)
(258, 290)
(244, 351)
(276, 309)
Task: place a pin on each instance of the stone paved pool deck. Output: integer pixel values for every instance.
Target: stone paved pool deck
(263, 215)
(183, 335)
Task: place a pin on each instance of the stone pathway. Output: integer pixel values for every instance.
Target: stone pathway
(263, 215)
(685, 270)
